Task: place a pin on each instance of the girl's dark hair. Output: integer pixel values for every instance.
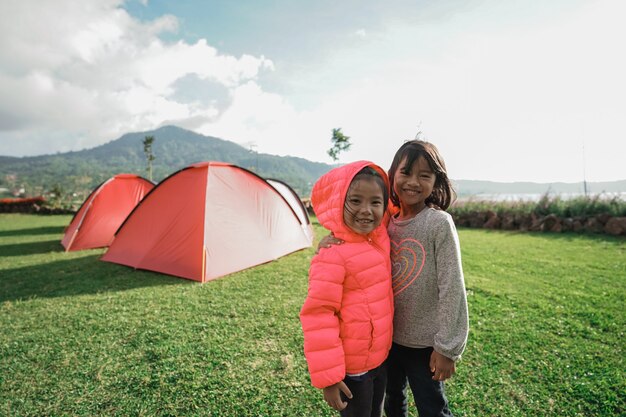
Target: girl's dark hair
(370, 172)
(443, 193)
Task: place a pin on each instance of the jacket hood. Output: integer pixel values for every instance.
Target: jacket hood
(329, 194)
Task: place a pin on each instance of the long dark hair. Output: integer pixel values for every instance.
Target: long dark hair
(443, 193)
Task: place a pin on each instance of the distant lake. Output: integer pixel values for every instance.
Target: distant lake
(537, 196)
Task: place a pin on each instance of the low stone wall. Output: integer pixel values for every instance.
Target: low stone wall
(602, 223)
(34, 205)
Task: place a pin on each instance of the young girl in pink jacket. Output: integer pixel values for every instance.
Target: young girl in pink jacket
(430, 306)
(347, 316)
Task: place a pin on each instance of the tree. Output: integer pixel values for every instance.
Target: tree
(56, 196)
(340, 143)
(147, 149)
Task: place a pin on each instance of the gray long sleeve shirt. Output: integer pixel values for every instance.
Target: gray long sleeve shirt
(429, 291)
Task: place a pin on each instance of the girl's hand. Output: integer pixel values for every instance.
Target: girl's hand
(328, 241)
(441, 366)
(332, 395)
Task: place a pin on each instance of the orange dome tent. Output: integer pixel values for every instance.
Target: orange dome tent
(208, 220)
(102, 213)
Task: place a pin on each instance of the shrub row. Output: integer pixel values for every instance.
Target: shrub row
(602, 223)
(20, 205)
(549, 214)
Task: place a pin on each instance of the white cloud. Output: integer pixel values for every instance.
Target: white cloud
(90, 70)
(256, 116)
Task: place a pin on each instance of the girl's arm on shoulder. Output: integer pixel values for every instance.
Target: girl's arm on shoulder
(328, 241)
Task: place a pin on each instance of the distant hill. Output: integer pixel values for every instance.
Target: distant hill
(471, 188)
(175, 148)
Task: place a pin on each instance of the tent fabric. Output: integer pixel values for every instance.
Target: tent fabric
(103, 211)
(295, 202)
(206, 221)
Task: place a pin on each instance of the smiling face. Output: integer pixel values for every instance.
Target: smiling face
(413, 185)
(364, 207)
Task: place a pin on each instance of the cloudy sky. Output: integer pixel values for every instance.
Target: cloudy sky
(509, 90)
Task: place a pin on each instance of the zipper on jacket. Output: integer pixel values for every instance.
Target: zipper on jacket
(374, 245)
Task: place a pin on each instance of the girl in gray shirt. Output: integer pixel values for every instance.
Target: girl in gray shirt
(430, 319)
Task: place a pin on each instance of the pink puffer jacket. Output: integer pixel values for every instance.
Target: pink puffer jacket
(347, 317)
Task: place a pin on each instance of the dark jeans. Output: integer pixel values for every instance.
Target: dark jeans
(412, 365)
(368, 393)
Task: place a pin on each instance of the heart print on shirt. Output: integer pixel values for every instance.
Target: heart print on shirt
(407, 259)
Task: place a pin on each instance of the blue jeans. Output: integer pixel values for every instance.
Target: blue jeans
(368, 393)
(411, 365)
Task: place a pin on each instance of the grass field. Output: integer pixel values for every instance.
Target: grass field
(89, 338)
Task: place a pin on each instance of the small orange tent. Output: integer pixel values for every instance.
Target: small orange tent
(208, 220)
(102, 213)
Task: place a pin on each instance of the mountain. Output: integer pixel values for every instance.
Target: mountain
(174, 148)
(471, 188)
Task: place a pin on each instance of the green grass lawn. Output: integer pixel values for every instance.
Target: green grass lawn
(84, 337)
